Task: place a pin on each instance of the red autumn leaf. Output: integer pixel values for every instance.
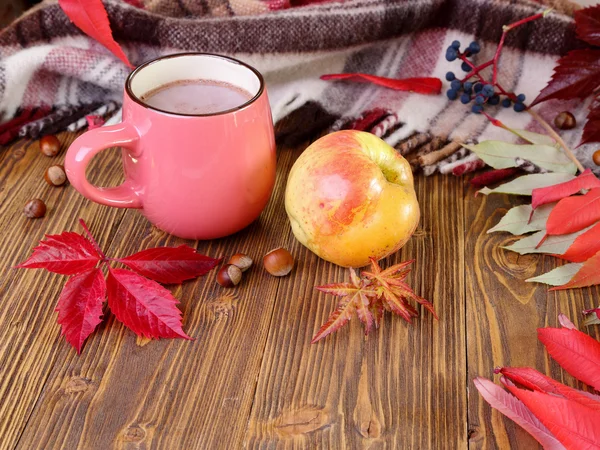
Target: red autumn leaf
(550, 194)
(143, 305)
(534, 380)
(67, 253)
(584, 247)
(587, 275)
(591, 129)
(170, 264)
(90, 17)
(80, 306)
(576, 76)
(354, 298)
(515, 410)
(573, 424)
(493, 176)
(426, 85)
(572, 214)
(576, 352)
(587, 23)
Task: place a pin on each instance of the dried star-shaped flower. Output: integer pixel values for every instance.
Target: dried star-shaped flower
(369, 295)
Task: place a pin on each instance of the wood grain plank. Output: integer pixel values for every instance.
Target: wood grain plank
(403, 386)
(29, 335)
(169, 393)
(503, 313)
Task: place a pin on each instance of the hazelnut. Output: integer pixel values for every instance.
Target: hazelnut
(50, 145)
(229, 275)
(35, 208)
(596, 157)
(241, 260)
(278, 262)
(55, 175)
(565, 121)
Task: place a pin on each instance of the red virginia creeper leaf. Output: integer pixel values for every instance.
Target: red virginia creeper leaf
(591, 129)
(587, 24)
(574, 425)
(91, 18)
(584, 247)
(515, 410)
(143, 305)
(576, 76)
(587, 275)
(550, 194)
(80, 306)
(574, 213)
(576, 352)
(170, 264)
(534, 380)
(418, 85)
(67, 253)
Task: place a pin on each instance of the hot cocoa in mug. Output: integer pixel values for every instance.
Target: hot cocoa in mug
(197, 144)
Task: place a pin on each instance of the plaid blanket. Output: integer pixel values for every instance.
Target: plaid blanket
(51, 75)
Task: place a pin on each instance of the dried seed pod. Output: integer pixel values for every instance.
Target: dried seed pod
(35, 208)
(55, 175)
(229, 275)
(565, 121)
(241, 260)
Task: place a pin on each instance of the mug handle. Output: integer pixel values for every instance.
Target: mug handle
(86, 146)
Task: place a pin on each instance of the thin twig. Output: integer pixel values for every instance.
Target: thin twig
(556, 137)
(91, 238)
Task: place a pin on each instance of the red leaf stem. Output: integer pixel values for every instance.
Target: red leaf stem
(92, 240)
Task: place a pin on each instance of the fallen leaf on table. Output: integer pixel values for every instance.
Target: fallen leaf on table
(541, 243)
(80, 306)
(592, 317)
(573, 424)
(587, 275)
(551, 194)
(503, 155)
(576, 352)
(585, 245)
(67, 253)
(572, 214)
(557, 277)
(517, 220)
(524, 185)
(170, 264)
(515, 409)
(143, 305)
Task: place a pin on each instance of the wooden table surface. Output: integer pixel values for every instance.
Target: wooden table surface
(251, 379)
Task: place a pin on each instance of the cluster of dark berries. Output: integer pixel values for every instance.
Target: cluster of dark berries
(478, 92)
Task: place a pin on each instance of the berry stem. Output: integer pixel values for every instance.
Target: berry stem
(93, 241)
(556, 137)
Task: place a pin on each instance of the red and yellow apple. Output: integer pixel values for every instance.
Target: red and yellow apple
(350, 196)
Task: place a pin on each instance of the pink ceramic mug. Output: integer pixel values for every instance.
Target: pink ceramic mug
(194, 176)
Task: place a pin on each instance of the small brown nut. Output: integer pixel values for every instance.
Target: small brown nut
(241, 260)
(50, 145)
(35, 208)
(596, 157)
(278, 262)
(55, 175)
(229, 275)
(565, 121)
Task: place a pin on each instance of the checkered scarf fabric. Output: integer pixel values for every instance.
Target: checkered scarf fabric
(48, 65)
